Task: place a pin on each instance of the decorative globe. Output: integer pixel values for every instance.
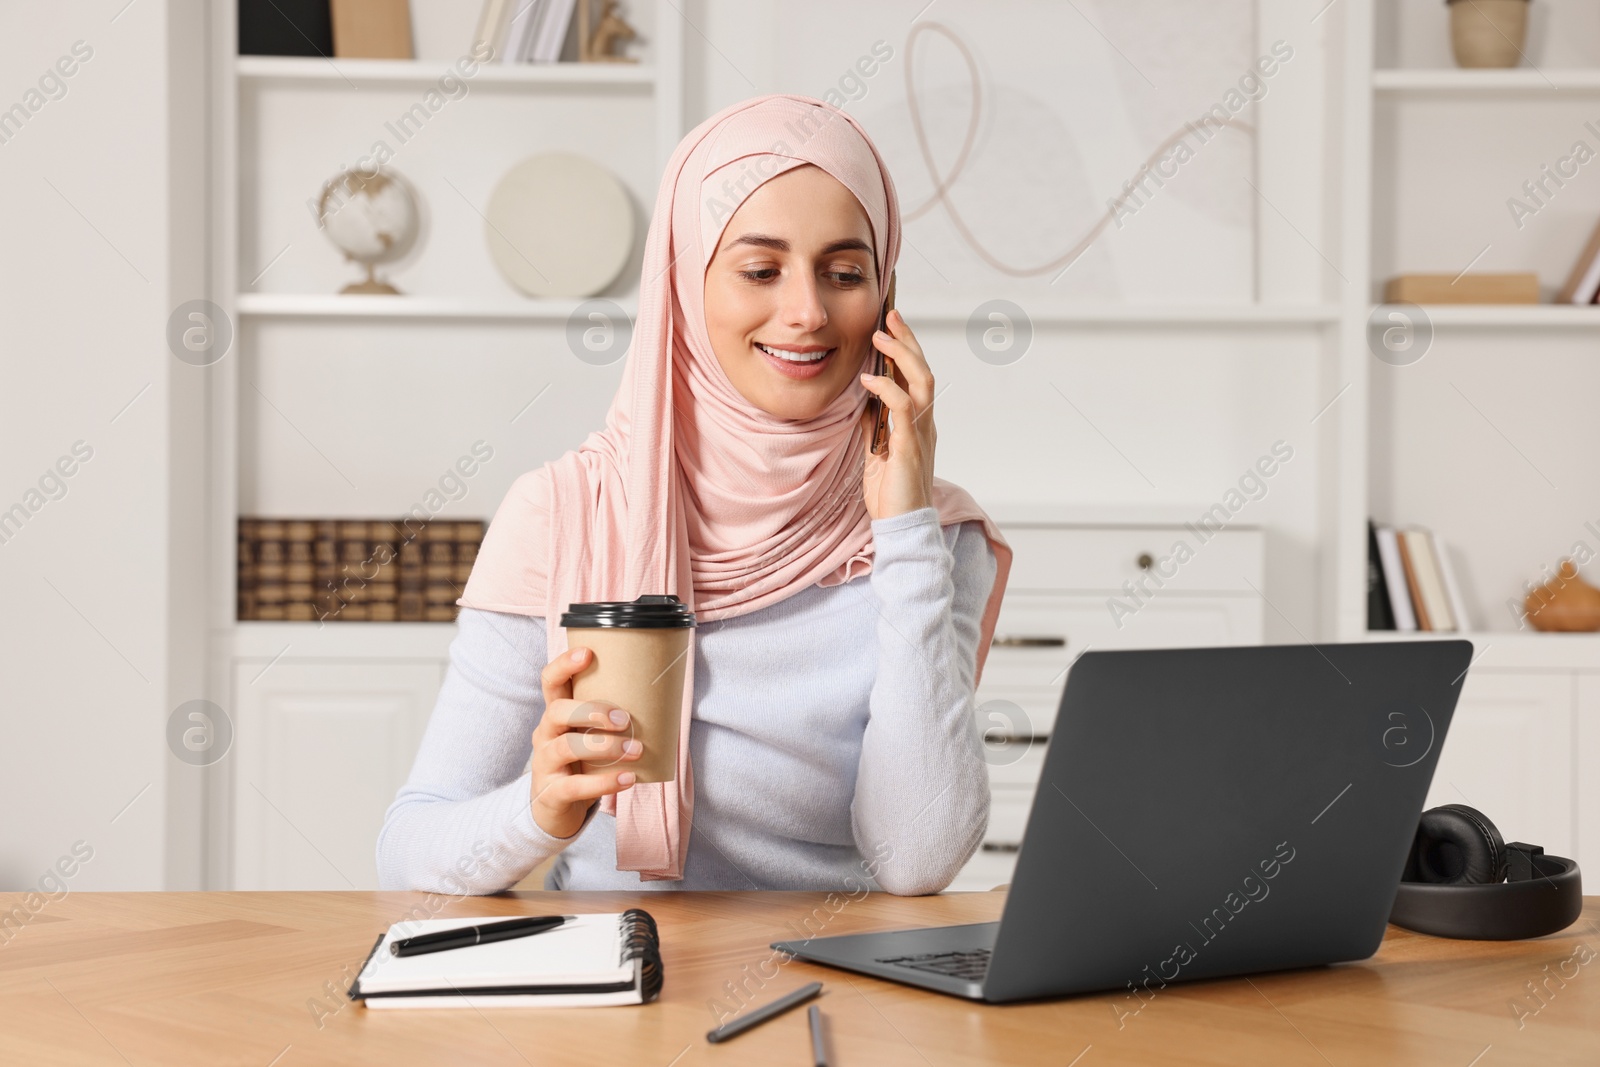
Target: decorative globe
(372, 219)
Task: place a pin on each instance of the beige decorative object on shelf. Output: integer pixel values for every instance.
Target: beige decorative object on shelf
(1565, 604)
(371, 218)
(596, 47)
(559, 225)
(1488, 33)
(1519, 288)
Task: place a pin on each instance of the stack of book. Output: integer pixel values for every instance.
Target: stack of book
(356, 570)
(524, 31)
(1411, 584)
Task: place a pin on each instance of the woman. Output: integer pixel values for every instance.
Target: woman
(833, 741)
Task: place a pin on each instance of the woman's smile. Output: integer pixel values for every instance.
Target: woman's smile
(797, 361)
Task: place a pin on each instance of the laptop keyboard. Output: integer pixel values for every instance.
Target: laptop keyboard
(967, 966)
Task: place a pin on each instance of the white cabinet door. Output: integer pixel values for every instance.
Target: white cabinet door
(1509, 753)
(319, 752)
(1586, 790)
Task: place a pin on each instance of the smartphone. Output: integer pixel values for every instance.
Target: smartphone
(882, 364)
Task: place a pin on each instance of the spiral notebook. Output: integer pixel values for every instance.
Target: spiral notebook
(592, 961)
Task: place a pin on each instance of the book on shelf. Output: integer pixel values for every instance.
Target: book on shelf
(1429, 584)
(1380, 613)
(1392, 574)
(525, 31)
(1410, 570)
(1452, 585)
(371, 29)
(1583, 283)
(490, 35)
(285, 28)
(354, 570)
(553, 30)
(1413, 582)
(1520, 288)
(522, 24)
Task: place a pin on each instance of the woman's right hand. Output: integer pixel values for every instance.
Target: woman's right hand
(571, 734)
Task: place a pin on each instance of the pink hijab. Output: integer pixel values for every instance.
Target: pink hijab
(706, 497)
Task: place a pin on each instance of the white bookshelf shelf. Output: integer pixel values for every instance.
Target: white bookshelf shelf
(1513, 316)
(1450, 81)
(422, 73)
(352, 306)
(1134, 315)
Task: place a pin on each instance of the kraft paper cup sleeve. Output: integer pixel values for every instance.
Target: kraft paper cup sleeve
(642, 672)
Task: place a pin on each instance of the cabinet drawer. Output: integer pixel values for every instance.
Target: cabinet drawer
(1013, 761)
(1015, 712)
(1064, 558)
(1038, 635)
(1007, 711)
(1008, 818)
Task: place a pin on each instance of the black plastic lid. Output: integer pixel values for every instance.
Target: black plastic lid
(649, 612)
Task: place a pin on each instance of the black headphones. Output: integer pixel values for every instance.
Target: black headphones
(1462, 880)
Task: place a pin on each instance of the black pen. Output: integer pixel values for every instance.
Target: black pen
(762, 1014)
(463, 936)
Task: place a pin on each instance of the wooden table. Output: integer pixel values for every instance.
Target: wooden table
(258, 980)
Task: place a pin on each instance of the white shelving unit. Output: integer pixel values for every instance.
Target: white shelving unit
(1430, 154)
(1379, 102)
(293, 689)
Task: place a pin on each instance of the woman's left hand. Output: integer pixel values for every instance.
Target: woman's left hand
(901, 480)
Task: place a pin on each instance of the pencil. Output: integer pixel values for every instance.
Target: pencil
(762, 1014)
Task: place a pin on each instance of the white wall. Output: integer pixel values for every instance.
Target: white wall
(101, 200)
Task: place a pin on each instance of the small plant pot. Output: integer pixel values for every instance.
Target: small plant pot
(1488, 33)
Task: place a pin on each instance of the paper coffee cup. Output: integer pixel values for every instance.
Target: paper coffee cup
(640, 655)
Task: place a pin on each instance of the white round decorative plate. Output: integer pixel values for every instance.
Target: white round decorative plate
(559, 225)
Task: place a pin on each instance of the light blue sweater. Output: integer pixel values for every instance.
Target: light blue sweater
(834, 741)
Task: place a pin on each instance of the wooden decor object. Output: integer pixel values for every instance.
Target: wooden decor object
(1564, 604)
(596, 47)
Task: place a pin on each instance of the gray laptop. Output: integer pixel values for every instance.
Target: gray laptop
(1201, 812)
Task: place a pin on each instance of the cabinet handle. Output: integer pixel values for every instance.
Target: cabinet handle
(1017, 641)
(1001, 846)
(1011, 739)
(1145, 561)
